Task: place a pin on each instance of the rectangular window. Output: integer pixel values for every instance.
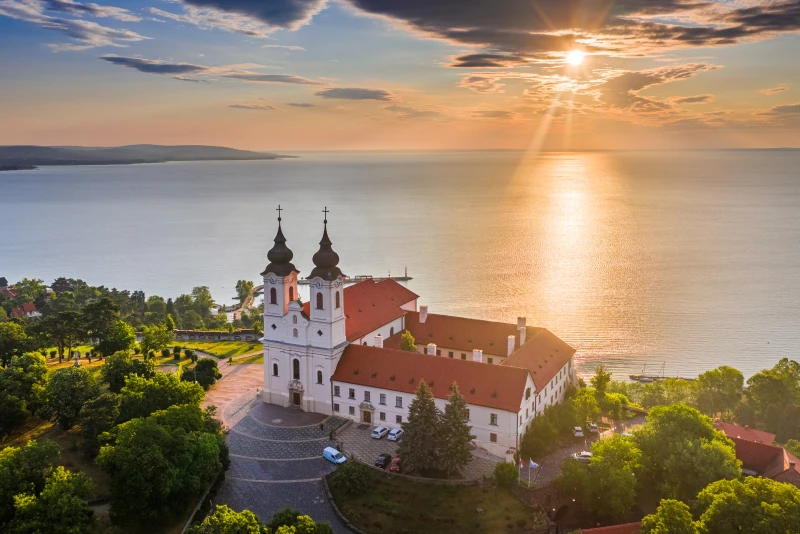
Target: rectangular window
(336, 391)
(383, 416)
(450, 354)
(527, 393)
(366, 396)
(398, 419)
(491, 360)
(493, 438)
(398, 402)
(352, 410)
(383, 399)
(352, 393)
(467, 414)
(336, 407)
(493, 419)
(526, 413)
(438, 352)
(463, 356)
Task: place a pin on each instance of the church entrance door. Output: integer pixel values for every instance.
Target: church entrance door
(296, 399)
(366, 417)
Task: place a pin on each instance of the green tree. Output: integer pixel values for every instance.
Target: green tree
(600, 381)
(291, 521)
(169, 323)
(98, 415)
(23, 469)
(226, 521)
(157, 464)
(156, 310)
(121, 337)
(541, 438)
(61, 508)
(155, 338)
(719, 390)
(206, 372)
(351, 477)
(419, 447)
(672, 517)
(192, 321)
(13, 412)
(3, 315)
(584, 404)
(243, 289)
(682, 452)
(65, 394)
(26, 378)
(118, 366)
(407, 342)
(793, 446)
(100, 317)
(506, 474)
(203, 302)
(455, 452)
(12, 341)
(144, 396)
(65, 329)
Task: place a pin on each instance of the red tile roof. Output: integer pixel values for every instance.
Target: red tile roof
(767, 460)
(23, 310)
(543, 355)
(493, 386)
(743, 432)
(369, 305)
(460, 333)
(626, 528)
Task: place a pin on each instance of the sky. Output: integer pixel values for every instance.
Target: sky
(293, 75)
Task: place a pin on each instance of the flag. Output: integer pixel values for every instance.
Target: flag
(521, 464)
(534, 465)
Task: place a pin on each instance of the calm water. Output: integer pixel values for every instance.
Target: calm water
(688, 258)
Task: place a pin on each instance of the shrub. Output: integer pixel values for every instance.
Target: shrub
(137, 349)
(165, 353)
(53, 353)
(351, 477)
(506, 474)
(176, 350)
(176, 355)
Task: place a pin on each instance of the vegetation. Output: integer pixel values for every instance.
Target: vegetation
(396, 505)
(506, 474)
(456, 434)
(65, 394)
(223, 349)
(205, 372)
(156, 338)
(407, 342)
(120, 365)
(351, 477)
(97, 416)
(143, 396)
(22, 390)
(243, 289)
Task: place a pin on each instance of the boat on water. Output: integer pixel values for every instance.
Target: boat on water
(649, 379)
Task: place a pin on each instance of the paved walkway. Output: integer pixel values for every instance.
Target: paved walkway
(276, 453)
(357, 441)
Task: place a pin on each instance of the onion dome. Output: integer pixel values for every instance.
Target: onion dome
(325, 260)
(280, 256)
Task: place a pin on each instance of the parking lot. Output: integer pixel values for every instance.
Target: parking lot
(357, 441)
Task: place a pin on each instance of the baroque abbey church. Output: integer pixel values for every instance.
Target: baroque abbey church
(339, 353)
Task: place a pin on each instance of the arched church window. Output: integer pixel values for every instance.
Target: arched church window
(274, 369)
(273, 295)
(338, 300)
(294, 319)
(319, 377)
(296, 369)
(319, 301)
(365, 343)
(294, 332)
(291, 293)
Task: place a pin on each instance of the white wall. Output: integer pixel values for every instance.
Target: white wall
(385, 331)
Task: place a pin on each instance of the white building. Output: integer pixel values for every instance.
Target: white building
(339, 353)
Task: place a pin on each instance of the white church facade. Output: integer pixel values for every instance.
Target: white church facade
(339, 354)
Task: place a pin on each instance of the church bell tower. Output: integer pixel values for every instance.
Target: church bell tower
(326, 283)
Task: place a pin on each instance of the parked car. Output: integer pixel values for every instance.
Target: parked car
(396, 466)
(592, 427)
(379, 432)
(577, 432)
(333, 455)
(582, 457)
(395, 434)
(383, 460)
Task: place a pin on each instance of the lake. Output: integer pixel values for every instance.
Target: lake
(688, 259)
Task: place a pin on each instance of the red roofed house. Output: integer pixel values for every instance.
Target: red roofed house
(26, 310)
(744, 432)
(339, 353)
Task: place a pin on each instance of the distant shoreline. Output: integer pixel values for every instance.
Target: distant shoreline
(18, 168)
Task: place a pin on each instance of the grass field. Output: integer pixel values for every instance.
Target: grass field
(394, 505)
(255, 358)
(221, 349)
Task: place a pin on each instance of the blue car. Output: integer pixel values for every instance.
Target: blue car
(332, 455)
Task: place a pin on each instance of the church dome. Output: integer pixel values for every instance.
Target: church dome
(325, 260)
(280, 256)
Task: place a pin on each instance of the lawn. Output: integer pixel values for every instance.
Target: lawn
(255, 358)
(395, 505)
(221, 349)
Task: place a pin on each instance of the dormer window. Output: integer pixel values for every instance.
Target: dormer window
(319, 301)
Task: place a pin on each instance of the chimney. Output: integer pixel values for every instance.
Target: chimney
(522, 330)
(423, 314)
(512, 344)
(431, 349)
(379, 341)
(477, 355)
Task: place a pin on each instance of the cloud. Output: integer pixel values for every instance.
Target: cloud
(152, 66)
(493, 114)
(699, 99)
(272, 78)
(487, 61)
(356, 93)
(482, 83)
(207, 19)
(284, 47)
(408, 112)
(256, 106)
(301, 105)
(773, 90)
(273, 14)
(94, 10)
(86, 34)
(787, 109)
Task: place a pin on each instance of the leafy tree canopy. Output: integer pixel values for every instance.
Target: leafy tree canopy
(419, 447)
(407, 342)
(65, 394)
(226, 521)
(61, 508)
(143, 396)
(118, 366)
(23, 469)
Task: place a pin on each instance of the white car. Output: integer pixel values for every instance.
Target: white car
(395, 434)
(592, 427)
(583, 457)
(332, 455)
(577, 432)
(379, 432)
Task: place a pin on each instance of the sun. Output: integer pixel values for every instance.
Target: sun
(575, 57)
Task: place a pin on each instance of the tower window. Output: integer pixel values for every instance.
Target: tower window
(319, 377)
(273, 295)
(294, 332)
(296, 369)
(338, 300)
(274, 369)
(291, 293)
(294, 319)
(319, 301)
(391, 331)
